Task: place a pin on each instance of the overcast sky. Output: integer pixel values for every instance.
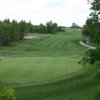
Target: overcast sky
(64, 12)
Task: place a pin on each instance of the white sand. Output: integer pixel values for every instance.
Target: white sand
(30, 37)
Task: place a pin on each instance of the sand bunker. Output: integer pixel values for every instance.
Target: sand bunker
(30, 37)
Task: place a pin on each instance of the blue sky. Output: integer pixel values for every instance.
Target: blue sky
(64, 12)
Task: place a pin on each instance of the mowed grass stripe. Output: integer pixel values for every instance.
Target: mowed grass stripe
(51, 41)
(45, 40)
(61, 41)
(64, 44)
(57, 42)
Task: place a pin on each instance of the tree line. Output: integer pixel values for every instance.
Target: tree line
(74, 25)
(50, 28)
(11, 31)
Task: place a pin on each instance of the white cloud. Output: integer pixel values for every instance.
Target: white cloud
(64, 12)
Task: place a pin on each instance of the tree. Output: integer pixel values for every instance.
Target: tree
(12, 31)
(96, 94)
(55, 27)
(29, 27)
(42, 28)
(49, 27)
(87, 32)
(93, 27)
(52, 27)
(74, 25)
(4, 34)
(95, 7)
(22, 29)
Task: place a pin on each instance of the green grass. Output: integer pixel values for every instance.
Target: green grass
(37, 70)
(79, 87)
(46, 68)
(62, 44)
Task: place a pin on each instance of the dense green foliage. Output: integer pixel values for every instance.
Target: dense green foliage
(74, 25)
(91, 56)
(11, 31)
(50, 28)
(92, 30)
(15, 31)
(92, 26)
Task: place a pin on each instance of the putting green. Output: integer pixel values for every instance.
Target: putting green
(37, 70)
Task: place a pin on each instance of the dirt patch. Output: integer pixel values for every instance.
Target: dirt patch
(30, 37)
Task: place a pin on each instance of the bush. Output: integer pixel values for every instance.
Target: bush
(96, 94)
(98, 74)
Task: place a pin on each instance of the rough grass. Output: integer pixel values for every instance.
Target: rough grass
(80, 87)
